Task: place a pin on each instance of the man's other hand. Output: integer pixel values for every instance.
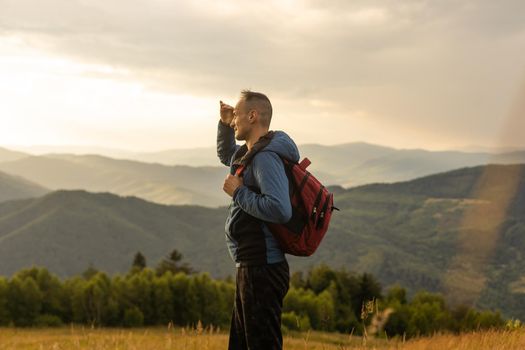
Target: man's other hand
(226, 112)
(231, 183)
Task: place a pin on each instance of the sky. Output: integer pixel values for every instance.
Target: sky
(148, 75)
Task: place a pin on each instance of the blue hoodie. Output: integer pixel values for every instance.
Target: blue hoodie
(264, 197)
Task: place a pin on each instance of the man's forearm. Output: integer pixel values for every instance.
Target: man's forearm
(225, 143)
(273, 202)
(264, 207)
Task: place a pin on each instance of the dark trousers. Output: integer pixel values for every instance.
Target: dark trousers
(256, 318)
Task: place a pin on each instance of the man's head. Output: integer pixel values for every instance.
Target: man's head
(253, 113)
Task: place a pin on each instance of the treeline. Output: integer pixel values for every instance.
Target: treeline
(171, 292)
(338, 300)
(34, 297)
(324, 299)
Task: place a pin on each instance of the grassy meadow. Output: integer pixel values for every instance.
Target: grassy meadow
(78, 337)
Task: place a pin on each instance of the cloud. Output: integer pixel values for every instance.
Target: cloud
(429, 66)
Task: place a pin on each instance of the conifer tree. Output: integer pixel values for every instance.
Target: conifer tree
(139, 262)
(173, 264)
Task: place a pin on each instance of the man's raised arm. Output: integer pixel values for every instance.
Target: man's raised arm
(226, 145)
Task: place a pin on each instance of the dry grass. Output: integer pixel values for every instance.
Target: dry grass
(493, 340)
(184, 339)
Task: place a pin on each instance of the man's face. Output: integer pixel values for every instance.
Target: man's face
(241, 122)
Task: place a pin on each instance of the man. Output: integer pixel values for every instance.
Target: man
(259, 195)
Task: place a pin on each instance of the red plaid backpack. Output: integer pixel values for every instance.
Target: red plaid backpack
(312, 207)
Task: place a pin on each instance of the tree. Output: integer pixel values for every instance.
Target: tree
(319, 278)
(4, 315)
(369, 289)
(162, 299)
(24, 300)
(172, 264)
(428, 314)
(89, 272)
(318, 308)
(139, 292)
(343, 289)
(92, 301)
(297, 280)
(184, 302)
(139, 263)
(133, 317)
(397, 294)
(53, 297)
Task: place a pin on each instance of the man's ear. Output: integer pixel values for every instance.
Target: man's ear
(253, 116)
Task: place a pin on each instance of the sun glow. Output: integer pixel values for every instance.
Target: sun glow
(50, 100)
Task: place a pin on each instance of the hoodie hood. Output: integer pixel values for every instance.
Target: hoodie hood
(283, 145)
(274, 141)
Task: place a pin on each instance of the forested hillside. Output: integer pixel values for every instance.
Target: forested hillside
(460, 232)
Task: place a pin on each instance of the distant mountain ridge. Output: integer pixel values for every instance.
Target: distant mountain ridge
(154, 182)
(346, 165)
(357, 164)
(460, 232)
(206, 156)
(7, 155)
(15, 187)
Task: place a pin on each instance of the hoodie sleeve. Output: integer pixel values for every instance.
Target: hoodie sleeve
(226, 145)
(273, 203)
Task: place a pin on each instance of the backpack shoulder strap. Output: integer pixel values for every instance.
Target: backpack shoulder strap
(246, 157)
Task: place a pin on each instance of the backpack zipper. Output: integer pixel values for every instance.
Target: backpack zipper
(316, 203)
(323, 212)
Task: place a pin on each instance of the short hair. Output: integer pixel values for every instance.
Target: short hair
(260, 102)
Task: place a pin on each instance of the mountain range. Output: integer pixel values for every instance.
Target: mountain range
(156, 178)
(460, 232)
(158, 183)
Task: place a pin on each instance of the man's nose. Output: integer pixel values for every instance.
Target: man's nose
(232, 123)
